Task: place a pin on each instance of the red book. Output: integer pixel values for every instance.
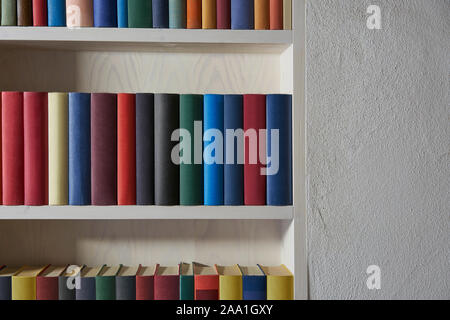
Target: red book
(223, 14)
(167, 283)
(276, 14)
(35, 148)
(255, 149)
(126, 149)
(47, 287)
(40, 13)
(12, 148)
(145, 283)
(206, 282)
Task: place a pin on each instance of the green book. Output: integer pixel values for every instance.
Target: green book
(191, 168)
(186, 281)
(105, 283)
(140, 14)
(9, 13)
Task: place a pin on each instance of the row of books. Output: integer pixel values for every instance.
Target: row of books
(145, 149)
(182, 282)
(177, 14)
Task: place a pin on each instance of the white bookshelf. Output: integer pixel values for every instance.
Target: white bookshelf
(169, 61)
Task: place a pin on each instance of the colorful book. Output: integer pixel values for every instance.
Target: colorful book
(105, 13)
(167, 170)
(167, 283)
(287, 14)
(104, 149)
(79, 149)
(67, 283)
(242, 14)
(40, 13)
(6, 274)
(223, 14)
(186, 281)
(23, 283)
(87, 283)
(194, 14)
(262, 15)
(145, 144)
(191, 168)
(47, 283)
(276, 14)
(12, 149)
(24, 13)
(145, 283)
(209, 14)
(58, 151)
(126, 149)
(35, 148)
(160, 11)
(9, 13)
(122, 13)
(213, 149)
(279, 153)
(254, 122)
(234, 150)
(254, 283)
(56, 13)
(126, 283)
(230, 282)
(280, 283)
(206, 282)
(177, 14)
(79, 13)
(140, 14)
(105, 283)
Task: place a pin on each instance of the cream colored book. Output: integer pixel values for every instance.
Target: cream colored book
(287, 14)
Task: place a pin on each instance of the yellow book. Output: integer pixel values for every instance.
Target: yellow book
(280, 283)
(23, 283)
(58, 144)
(230, 282)
(287, 14)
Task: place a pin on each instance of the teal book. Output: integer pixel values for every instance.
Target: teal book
(186, 281)
(140, 14)
(105, 283)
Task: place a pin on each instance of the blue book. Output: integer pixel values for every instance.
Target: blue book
(242, 14)
(160, 9)
(177, 14)
(56, 10)
(79, 149)
(213, 149)
(279, 182)
(122, 13)
(105, 14)
(254, 283)
(234, 151)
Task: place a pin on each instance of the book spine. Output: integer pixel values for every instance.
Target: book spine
(191, 168)
(194, 14)
(279, 160)
(287, 14)
(223, 14)
(145, 146)
(177, 14)
(5, 288)
(262, 15)
(79, 149)
(122, 13)
(1, 151)
(40, 13)
(209, 14)
(35, 148)
(254, 287)
(104, 149)
(213, 149)
(58, 145)
(206, 287)
(105, 288)
(167, 173)
(64, 292)
(140, 14)
(24, 13)
(86, 290)
(105, 13)
(276, 14)
(126, 288)
(254, 122)
(126, 147)
(56, 13)
(9, 13)
(167, 288)
(12, 148)
(145, 288)
(160, 10)
(230, 288)
(280, 288)
(47, 288)
(80, 13)
(186, 287)
(242, 14)
(23, 288)
(233, 151)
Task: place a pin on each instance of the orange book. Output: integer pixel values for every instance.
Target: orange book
(206, 282)
(194, 14)
(262, 15)
(276, 14)
(209, 14)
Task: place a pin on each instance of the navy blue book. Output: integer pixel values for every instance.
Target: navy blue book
(160, 9)
(87, 288)
(79, 149)
(279, 153)
(56, 13)
(234, 151)
(105, 14)
(242, 14)
(254, 283)
(5, 282)
(213, 149)
(122, 13)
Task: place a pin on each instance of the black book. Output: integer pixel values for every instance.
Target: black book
(126, 283)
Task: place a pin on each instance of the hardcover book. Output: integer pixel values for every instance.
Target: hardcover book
(206, 282)
(6, 274)
(276, 14)
(105, 13)
(287, 14)
(223, 14)
(40, 13)
(56, 13)
(122, 13)
(79, 13)
(67, 283)
(186, 281)
(105, 283)
(145, 283)
(23, 283)
(140, 14)
(24, 13)
(160, 10)
(47, 283)
(87, 283)
(126, 283)
(9, 13)
(209, 14)
(167, 283)
(262, 15)
(242, 14)
(194, 14)
(230, 282)
(177, 14)
(280, 283)
(254, 283)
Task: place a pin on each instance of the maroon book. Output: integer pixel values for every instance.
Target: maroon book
(145, 283)
(40, 13)
(223, 14)
(167, 283)
(47, 287)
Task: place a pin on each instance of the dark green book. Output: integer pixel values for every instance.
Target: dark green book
(140, 14)
(105, 283)
(191, 169)
(186, 281)
(9, 13)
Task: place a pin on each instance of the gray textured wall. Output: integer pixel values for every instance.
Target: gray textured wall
(378, 130)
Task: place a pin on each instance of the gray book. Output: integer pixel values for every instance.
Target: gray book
(126, 283)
